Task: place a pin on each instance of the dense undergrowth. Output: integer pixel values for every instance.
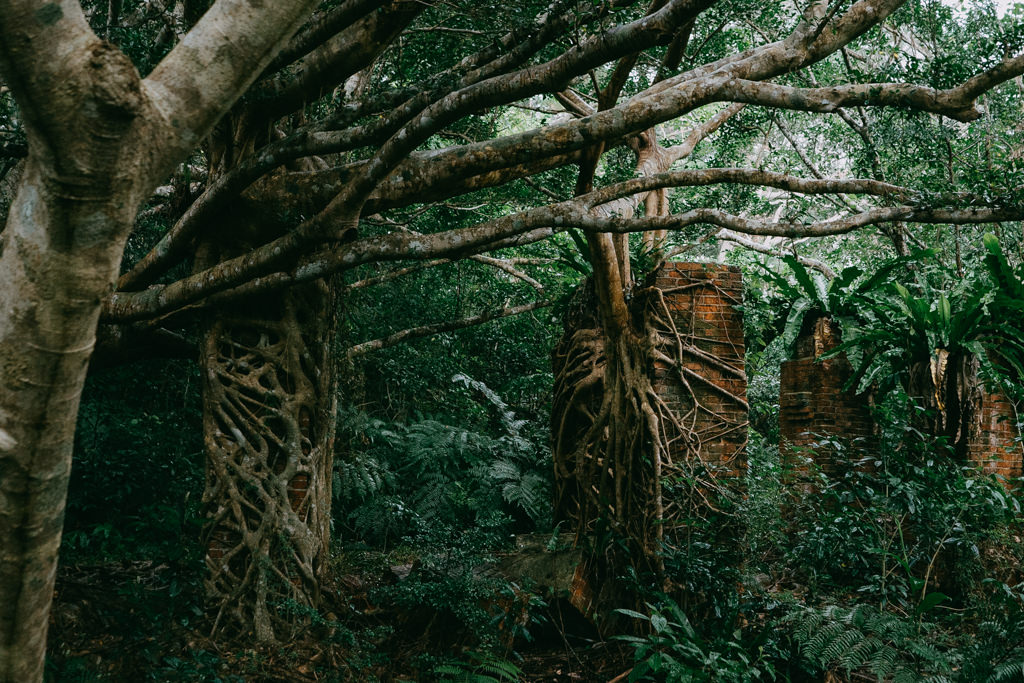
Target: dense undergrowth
(902, 566)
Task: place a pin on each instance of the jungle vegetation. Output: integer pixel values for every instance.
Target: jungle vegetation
(280, 285)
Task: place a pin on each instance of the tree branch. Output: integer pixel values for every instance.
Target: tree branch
(956, 103)
(438, 328)
(777, 252)
(512, 230)
(346, 53)
(199, 81)
(320, 29)
(553, 75)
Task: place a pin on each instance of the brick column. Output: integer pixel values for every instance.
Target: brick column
(992, 443)
(702, 300)
(813, 404)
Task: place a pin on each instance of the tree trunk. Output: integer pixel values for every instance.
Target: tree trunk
(60, 251)
(54, 272)
(268, 421)
(99, 140)
(606, 420)
(948, 390)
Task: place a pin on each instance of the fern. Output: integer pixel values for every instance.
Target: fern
(360, 478)
(381, 519)
(481, 668)
(527, 490)
(510, 424)
(866, 639)
(1009, 671)
(430, 472)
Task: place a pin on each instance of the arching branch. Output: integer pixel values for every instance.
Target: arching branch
(778, 251)
(438, 328)
(516, 229)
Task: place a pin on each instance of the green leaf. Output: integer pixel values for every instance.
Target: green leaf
(930, 601)
(631, 613)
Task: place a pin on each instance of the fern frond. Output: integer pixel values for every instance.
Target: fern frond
(1010, 671)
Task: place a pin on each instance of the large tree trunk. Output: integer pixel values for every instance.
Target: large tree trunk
(269, 404)
(55, 267)
(99, 140)
(60, 251)
(606, 418)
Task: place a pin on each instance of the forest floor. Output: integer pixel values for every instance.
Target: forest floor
(139, 621)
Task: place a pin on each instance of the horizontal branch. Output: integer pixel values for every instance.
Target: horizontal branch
(484, 85)
(744, 176)
(426, 172)
(438, 328)
(320, 28)
(333, 62)
(513, 230)
(533, 80)
(956, 103)
(394, 274)
(776, 251)
(835, 226)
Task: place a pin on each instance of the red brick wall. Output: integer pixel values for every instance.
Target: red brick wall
(813, 404)
(992, 443)
(702, 299)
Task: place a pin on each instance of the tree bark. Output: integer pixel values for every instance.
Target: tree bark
(47, 331)
(59, 255)
(99, 140)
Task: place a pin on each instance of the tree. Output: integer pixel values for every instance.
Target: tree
(100, 139)
(351, 119)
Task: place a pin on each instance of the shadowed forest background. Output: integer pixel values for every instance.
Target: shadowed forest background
(379, 391)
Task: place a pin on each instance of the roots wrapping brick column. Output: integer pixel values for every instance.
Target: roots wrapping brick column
(269, 411)
(649, 434)
(700, 372)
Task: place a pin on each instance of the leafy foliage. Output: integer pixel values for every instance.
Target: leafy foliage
(394, 478)
(864, 638)
(894, 328)
(480, 668)
(673, 651)
(124, 499)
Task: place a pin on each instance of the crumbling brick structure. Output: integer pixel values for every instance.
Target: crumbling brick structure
(993, 441)
(695, 366)
(813, 404)
(677, 451)
(708, 330)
